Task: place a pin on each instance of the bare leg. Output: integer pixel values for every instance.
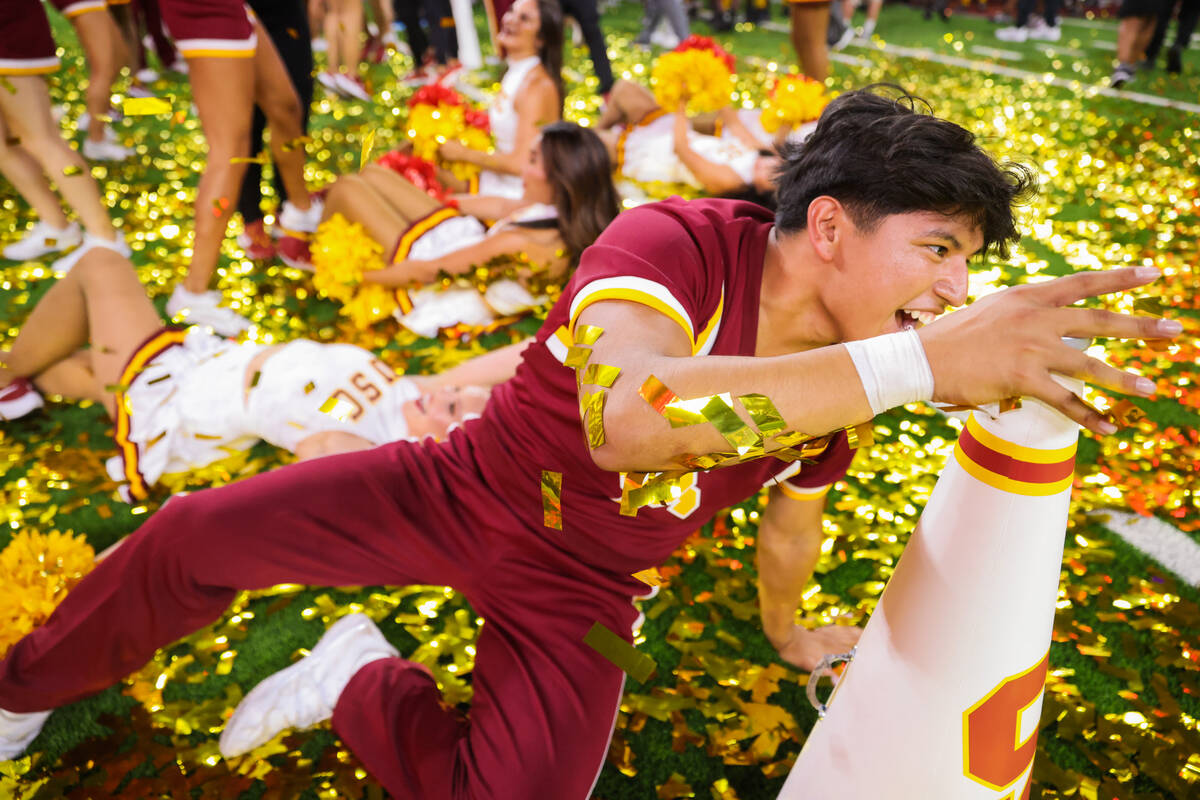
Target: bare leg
(354, 199)
(28, 179)
(406, 199)
(106, 53)
(100, 301)
(810, 22)
(26, 112)
(1132, 38)
(628, 103)
(122, 14)
(73, 379)
(275, 94)
(343, 25)
(223, 89)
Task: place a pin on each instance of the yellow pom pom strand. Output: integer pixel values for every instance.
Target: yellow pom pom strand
(793, 101)
(697, 77)
(36, 572)
(341, 252)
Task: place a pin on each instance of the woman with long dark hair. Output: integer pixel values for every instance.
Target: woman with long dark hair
(567, 199)
(531, 95)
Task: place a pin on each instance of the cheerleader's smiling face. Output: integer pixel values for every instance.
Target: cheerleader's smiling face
(519, 34)
(437, 413)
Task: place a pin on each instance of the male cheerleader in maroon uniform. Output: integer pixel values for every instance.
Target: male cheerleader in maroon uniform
(526, 510)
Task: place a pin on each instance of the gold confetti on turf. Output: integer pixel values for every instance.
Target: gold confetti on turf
(552, 499)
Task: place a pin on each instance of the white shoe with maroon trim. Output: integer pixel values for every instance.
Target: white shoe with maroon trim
(18, 399)
(306, 692)
(17, 731)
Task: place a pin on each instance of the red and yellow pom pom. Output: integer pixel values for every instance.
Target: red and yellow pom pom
(341, 252)
(36, 572)
(698, 72)
(793, 101)
(438, 114)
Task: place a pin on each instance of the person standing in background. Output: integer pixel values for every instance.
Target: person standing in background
(1189, 15)
(810, 24)
(1138, 18)
(588, 16)
(286, 22)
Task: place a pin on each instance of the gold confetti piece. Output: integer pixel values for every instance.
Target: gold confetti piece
(12, 141)
(254, 379)
(1009, 404)
(577, 357)
(219, 206)
(116, 388)
(683, 413)
(656, 393)
(105, 118)
(145, 106)
(552, 499)
(292, 32)
(368, 143)
(159, 379)
(341, 407)
(309, 387)
(1149, 305)
(72, 171)
(861, 435)
(178, 117)
(208, 437)
(763, 412)
(635, 664)
(588, 334)
(600, 375)
(1125, 413)
(299, 141)
(719, 411)
(7, 84)
(261, 158)
(650, 577)
(594, 419)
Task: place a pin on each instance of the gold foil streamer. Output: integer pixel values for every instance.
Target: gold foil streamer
(650, 577)
(587, 334)
(299, 141)
(145, 106)
(261, 158)
(368, 143)
(552, 499)
(635, 664)
(861, 435)
(577, 357)
(593, 418)
(656, 393)
(600, 375)
(766, 417)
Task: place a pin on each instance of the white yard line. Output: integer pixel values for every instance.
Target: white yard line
(1172, 548)
(1085, 89)
(996, 52)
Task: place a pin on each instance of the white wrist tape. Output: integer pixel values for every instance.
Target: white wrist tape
(893, 369)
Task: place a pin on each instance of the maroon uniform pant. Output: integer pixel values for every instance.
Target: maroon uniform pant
(544, 702)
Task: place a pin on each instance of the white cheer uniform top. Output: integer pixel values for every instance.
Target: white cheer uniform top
(188, 406)
(647, 153)
(435, 307)
(503, 117)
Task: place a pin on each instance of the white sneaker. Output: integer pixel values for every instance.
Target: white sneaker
(64, 265)
(17, 731)
(306, 692)
(179, 65)
(146, 75)
(351, 86)
(1046, 33)
(293, 219)
(329, 81)
(1012, 34)
(205, 310)
(16, 400)
(664, 39)
(319, 45)
(105, 150)
(846, 38)
(43, 239)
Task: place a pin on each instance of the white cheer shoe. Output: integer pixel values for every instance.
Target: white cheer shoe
(17, 731)
(205, 309)
(43, 239)
(306, 692)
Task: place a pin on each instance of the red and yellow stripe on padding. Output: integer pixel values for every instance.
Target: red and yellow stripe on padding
(154, 347)
(1012, 467)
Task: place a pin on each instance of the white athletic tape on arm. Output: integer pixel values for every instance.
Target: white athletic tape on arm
(893, 369)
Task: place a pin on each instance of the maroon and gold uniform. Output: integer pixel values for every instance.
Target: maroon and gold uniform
(210, 28)
(26, 44)
(467, 513)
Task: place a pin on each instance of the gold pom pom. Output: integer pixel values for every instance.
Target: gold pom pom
(36, 572)
(341, 252)
(697, 77)
(793, 101)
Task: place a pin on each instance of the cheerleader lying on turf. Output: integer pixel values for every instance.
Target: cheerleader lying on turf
(719, 154)
(568, 199)
(185, 399)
